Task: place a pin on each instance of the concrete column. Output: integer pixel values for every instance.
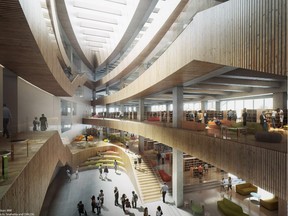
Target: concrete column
(107, 111)
(217, 105)
(122, 133)
(280, 100)
(1, 98)
(203, 106)
(167, 111)
(140, 111)
(141, 144)
(177, 106)
(94, 98)
(177, 166)
(107, 90)
(177, 177)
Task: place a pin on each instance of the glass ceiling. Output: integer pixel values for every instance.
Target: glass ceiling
(99, 25)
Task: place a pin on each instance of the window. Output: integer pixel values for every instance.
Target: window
(248, 104)
(268, 103)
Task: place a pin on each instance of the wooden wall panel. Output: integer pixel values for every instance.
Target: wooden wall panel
(264, 167)
(27, 191)
(236, 33)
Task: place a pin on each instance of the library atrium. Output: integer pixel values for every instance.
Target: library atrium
(181, 103)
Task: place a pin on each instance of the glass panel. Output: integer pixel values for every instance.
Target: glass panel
(268, 103)
(248, 104)
(259, 103)
(223, 105)
(231, 105)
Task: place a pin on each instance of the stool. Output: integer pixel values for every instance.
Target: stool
(186, 204)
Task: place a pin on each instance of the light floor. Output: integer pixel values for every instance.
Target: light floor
(64, 202)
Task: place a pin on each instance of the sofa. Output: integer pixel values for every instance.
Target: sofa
(270, 204)
(197, 209)
(229, 208)
(246, 189)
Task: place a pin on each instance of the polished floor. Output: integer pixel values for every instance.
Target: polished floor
(68, 194)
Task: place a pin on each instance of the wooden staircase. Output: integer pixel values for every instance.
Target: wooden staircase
(149, 184)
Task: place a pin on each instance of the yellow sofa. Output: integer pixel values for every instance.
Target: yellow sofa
(270, 204)
(246, 189)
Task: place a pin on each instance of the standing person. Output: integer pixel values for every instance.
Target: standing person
(134, 199)
(93, 203)
(106, 171)
(43, 123)
(98, 205)
(163, 157)
(206, 167)
(100, 171)
(135, 162)
(230, 115)
(77, 172)
(139, 160)
(222, 184)
(145, 212)
(80, 207)
(263, 121)
(101, 197)
(159, 211)
(229, 184)
(123, 202)
(6, 118)
(273, 117)
(115, 165)
(116, 195)
(36, 124)
(281, 118)
(68, 174)
(158, 157)
(199, 116)
(164, 190)
(244, 116)
(205, 115)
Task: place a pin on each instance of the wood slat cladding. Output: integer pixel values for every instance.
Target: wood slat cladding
(264, 167)
(243, 34)
(26, 194)
(27, 50)
(27, 191)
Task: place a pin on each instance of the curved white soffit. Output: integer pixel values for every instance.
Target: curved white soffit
(99, 25)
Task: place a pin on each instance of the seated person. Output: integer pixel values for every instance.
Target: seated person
(217, 121)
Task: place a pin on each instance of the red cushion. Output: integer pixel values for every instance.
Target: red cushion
(165, 177)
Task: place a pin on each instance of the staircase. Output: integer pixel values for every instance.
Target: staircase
(149, 184)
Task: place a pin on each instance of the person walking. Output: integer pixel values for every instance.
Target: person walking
(281, 118)
(116, 195)
(100, 171)
(146, 212)
(93, 203)
(80, 207)
(123, 202)
(134, 199)
(43, 123)
(273, 117)
(139, 161)
(6, 118)
(164, 190)
(101, 197)
(36, 124)
(159, 211)
(115, 165)
(106, 171)
(158, 157)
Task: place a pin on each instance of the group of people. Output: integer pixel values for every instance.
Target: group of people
(98, 202)
(42, 123)
(274, 114)
(106, 170)
(226, 185)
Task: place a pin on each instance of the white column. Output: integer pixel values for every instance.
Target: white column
(140, 111)
(177, 166)
(177, 177)
(141, 144)
(177, 106)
